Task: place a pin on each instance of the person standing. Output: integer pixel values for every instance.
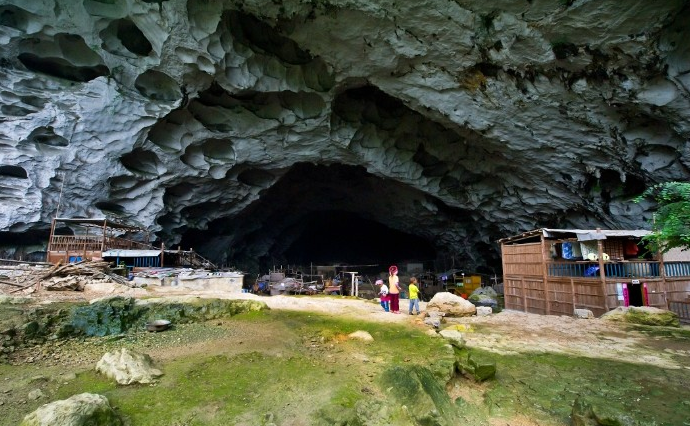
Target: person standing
(414, 295)
(383, 295)
(394, 289)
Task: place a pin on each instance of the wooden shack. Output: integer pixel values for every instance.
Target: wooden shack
(75, 239)
(555, 271)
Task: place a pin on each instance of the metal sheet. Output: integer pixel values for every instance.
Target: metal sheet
(131, 253)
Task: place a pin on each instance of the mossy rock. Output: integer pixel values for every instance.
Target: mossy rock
(422, 395)
(587, 413)
(643, 315)
(83, 409)
(479, 367)
(117, 315)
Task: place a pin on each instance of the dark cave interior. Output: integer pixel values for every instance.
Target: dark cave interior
(341, 238)
(336, 214)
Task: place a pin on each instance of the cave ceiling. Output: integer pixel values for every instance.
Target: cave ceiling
(262, 132)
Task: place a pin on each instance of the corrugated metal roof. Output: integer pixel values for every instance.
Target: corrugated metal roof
(131, 253)
(99, 221)
(594, 234)
(581, 234)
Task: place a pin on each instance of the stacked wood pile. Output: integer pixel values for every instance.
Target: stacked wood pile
(71, 276)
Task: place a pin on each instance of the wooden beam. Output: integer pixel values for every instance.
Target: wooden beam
(524, 295)
(602, 274)
(545, 253)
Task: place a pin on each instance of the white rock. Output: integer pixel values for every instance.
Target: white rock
(583, 313)
(361, 335)
(450, 305)
(483, 311)
(127, 367)
(455, 337)
(82, 409)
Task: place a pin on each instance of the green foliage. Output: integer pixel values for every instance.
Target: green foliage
(671, 224)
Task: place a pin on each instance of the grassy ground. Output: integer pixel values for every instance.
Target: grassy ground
(297, 368)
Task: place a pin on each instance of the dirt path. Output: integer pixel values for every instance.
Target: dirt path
(507, 332)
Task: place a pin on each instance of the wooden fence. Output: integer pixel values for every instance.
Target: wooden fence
(534, 285)
(92, 243)
(682, 308)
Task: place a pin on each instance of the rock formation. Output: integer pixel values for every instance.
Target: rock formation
(81, 409)
(261, 131)
(126, 367)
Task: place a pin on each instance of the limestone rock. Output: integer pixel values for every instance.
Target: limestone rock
(361, 335)
(645, 315)
(583, 313)
(434, 318)
(78, 410)
(478, 367)
(127, 367)
(211, 120)
(483, 311)
(454, 337)
(35, 394)
(451, 305)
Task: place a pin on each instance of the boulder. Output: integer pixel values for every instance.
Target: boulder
(484, 311)
(478, 367)
(79, 410)
(127, 367)
(644, 315)
(434, 318)
(361, 335)
(454, 337)
(450, 305)
(583, 313)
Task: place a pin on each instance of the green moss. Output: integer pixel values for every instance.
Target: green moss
(639, 316)
(546, 386)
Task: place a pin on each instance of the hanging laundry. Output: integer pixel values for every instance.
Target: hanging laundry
(589, 247)
(631, 249)
(567, 251)
(577, 252)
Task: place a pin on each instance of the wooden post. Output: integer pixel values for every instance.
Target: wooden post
(544, 274)
(503, 265)
(52, 235)
(104, 235)
(524, 294)
(86, 241)
(662, 274)
(572, 289)
(602, 274)
(162, 253)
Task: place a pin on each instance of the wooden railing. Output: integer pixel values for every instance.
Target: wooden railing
(76, 243)
(613, 269)
(189, 258)
(677, 269)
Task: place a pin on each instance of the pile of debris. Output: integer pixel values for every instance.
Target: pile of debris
(71, 276)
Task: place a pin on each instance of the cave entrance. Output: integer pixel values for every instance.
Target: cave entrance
(322, 214)
(340, 214)
(339, 237)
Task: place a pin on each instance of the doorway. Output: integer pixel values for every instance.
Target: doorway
(636, 294)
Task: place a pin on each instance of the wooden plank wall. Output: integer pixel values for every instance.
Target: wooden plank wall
(523, 259)
(523, 284)
(524, 287)
(678, 289)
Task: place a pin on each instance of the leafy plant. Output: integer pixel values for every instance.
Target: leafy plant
(671, 223)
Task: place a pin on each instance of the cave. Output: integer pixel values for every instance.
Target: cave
(320, 214)
(250, 131)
